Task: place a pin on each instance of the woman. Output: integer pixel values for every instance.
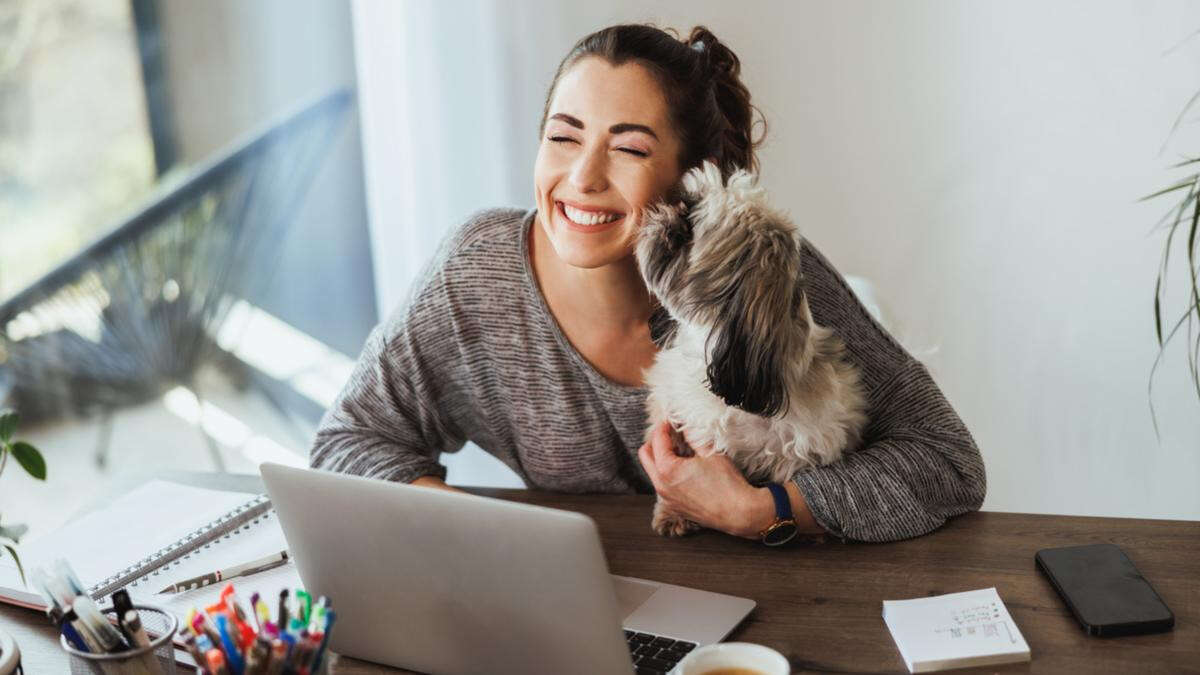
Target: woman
(529, 331)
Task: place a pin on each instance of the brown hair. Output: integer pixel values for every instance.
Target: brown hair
(708, 103)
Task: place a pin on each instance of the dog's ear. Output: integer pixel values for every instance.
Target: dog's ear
(746, 365)
(755, 333)
(662, 249)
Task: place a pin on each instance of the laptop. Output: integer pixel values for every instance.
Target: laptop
(445, 582)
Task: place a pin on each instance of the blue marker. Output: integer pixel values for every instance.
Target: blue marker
(68, 631)
(329, 617)
(232, 655)
(290, 642)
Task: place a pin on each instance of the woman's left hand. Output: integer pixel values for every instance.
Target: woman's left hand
(705, 488)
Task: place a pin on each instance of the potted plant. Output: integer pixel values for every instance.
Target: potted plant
(31, 460)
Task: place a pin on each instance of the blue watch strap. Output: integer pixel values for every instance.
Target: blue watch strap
(783, 503)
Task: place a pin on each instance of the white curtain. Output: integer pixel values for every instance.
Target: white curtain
(434, 112)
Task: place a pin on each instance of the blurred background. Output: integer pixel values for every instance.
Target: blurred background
(206, 207)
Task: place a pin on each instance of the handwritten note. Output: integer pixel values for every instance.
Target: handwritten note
(956, 630)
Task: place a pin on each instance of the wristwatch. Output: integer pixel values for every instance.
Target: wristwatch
(784, 528)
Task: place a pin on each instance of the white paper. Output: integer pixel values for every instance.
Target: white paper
(956, 630)
(132, 528)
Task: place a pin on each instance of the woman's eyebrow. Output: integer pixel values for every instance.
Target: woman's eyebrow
(614, 129)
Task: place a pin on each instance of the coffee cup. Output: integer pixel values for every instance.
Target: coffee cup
(734, 658)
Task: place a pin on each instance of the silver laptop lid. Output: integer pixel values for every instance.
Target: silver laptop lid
(532, 594)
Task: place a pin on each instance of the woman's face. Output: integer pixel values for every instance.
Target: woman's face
(607, 153)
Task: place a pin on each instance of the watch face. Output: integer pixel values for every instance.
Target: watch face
(781, 534)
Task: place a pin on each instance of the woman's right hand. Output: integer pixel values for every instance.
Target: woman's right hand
(434, 482)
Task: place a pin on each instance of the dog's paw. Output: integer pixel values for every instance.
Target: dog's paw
(669, 524)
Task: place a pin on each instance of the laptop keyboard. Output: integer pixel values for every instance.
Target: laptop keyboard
(653, 655)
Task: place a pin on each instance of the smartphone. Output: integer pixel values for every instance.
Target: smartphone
(1105, 592)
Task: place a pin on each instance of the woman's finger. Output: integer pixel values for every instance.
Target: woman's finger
(647, 459)
(663, 447)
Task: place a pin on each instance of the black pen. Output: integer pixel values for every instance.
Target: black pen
(122, 603)
(283, 613)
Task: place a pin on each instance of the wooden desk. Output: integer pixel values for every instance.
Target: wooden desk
(821, 605)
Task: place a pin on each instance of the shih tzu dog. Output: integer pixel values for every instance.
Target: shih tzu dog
(742, 366)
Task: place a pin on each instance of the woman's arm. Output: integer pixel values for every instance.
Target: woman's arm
(398, 411)
(386, 422)
(918, 464)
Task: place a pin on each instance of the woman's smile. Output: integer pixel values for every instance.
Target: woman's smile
(589, 220)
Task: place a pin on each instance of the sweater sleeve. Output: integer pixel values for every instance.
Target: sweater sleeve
(395, 415)
(918, 464)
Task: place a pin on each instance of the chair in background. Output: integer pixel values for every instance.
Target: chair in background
(137, 312)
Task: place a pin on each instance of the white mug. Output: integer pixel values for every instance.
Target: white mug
(734, 655)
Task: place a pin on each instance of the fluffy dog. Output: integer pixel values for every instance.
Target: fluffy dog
(743, 367)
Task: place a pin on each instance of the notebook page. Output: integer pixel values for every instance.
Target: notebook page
(133, 527)
(254, 540)
(954, 630)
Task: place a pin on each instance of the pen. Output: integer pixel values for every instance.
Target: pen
(232, 655)
(258, 619)
(58, 618)
(246, 569)
(193, 647)
(138, 638)
(122, 604)
(216, 662)
(202, 625)
(283, 611)
(278, 657)
(257, 657)
(304, 604)
(330, 615)
(133, 623)
(109, 638)
(64, 571)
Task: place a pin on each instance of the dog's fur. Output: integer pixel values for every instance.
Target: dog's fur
(744, 368)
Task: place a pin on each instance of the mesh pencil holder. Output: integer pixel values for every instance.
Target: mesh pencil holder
(156, 659)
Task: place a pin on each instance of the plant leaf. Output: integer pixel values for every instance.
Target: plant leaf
(13, 532)
(8, 424)
(1158, 311)
(1178, 120)
(1178, 186)
(30, 459)
(17, 559)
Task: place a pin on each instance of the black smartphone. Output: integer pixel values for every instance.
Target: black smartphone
(1105, 592)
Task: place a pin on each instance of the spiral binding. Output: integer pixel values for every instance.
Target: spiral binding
(191, 541)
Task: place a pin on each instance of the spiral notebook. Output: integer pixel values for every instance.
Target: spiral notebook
(156, 534)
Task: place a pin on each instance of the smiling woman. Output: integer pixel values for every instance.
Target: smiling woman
(530, 331)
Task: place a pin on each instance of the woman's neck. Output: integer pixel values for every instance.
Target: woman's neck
(610, 299)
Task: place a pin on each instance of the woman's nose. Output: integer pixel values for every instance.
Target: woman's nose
(588, 173)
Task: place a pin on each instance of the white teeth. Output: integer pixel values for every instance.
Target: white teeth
(587, 218)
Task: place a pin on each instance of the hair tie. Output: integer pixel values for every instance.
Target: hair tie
(698, 45)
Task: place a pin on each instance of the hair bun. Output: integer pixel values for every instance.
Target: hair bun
(718, 60)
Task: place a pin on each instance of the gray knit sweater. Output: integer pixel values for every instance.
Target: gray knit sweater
(474, 354)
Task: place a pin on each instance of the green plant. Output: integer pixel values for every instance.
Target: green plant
(1184, 215)
(31, 460)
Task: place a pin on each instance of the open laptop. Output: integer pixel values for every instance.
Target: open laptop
(444, 582)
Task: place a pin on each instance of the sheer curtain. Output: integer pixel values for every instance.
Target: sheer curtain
(434, 112)
(437, 146)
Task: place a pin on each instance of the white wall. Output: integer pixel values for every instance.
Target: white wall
(978, 162)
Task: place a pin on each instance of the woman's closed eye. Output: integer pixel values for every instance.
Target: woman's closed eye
(567, 139)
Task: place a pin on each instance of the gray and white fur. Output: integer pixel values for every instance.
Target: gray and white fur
(745, 369)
